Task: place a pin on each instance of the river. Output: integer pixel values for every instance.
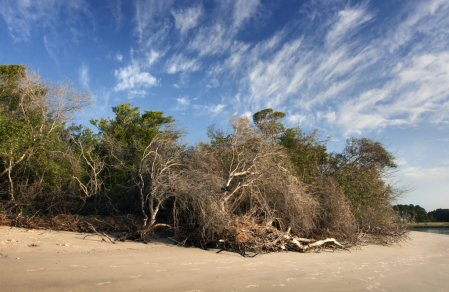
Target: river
(433, 230)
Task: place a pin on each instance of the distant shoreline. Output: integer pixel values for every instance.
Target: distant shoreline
(431, 225)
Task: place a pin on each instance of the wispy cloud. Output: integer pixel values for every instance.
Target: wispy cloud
(23, 16)
(211, 40)
(186, 19)
(358, 85)
(414, 94)
(211, 110)
(347, 22)
(102, 100)
(83, 73)
(295, 119)
(153, 56)
(181, 103)
(179, 63)
(219, 35)
(213, 83)
(243, 10)
(131, 77)
(247, 115)
(52, 21)
(132, 94)
(426, 173)
(427, 17)
(152, 24)
(116, 10)
(343, 66)
(51, 47)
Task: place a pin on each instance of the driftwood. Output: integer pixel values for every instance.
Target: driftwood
(142, 234)
(310, 243)
(261, 239)
(97, 233)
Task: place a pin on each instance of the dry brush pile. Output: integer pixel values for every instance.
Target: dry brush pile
(239, 193)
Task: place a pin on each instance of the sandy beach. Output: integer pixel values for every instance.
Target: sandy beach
(41, 260)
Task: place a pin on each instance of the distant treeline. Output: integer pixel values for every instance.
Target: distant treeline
(419, 214)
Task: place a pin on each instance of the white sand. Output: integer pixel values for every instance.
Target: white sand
(63, 261)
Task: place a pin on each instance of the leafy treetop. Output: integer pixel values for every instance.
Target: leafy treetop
(130, 127)
(268, 122)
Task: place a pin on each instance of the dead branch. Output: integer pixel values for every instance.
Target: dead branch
(97, 233)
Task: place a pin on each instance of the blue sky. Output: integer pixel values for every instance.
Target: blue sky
(377, 69)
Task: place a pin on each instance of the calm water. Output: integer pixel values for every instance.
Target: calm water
(433, 230)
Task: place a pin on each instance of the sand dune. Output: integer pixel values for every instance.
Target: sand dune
(37, 260)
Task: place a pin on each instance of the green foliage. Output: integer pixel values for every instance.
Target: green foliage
(268, 122)
(307, 153)
(412, 213)
(14, 134)
(440, 215)
(218, 138)
(12, 73)
(131, 128)
(361, 169)
(31, 134)
(9, 77)
(121, 143)
(363, 154)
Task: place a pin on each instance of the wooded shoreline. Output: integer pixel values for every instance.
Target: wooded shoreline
(260, 186)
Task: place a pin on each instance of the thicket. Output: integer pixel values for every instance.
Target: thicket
(416, 213)
(412, 213)
(260, 187)
(439, 215)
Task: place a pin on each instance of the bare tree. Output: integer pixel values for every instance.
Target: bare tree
(156, 175)
(245, 156)
(152, 172)
(94, 168)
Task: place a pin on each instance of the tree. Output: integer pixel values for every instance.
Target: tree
(268, 123)
(440, 215)
(245, 155)
(412, 213)
(240, 189)
(132, 128)
(124, 140)
(308, 154)
(361, 170)
(142, 154)
(33, 115)
(87, 164)
(156, 176)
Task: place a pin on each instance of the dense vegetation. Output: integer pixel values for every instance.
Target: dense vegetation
(260, 187)
(439, 215)
(412, 213)
(418, 214)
